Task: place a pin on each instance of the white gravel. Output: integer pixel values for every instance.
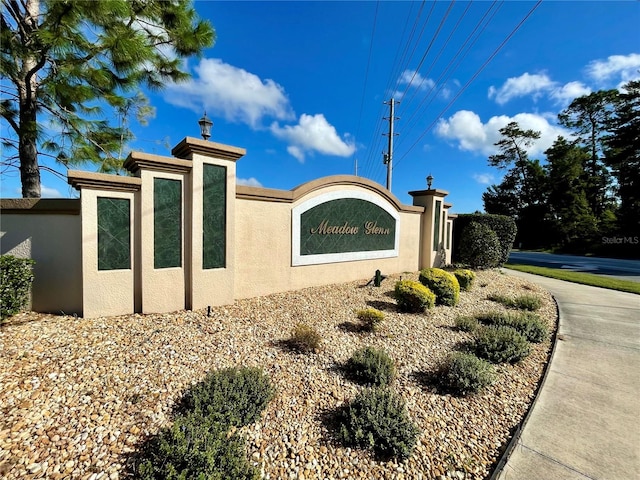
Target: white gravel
(77, 396)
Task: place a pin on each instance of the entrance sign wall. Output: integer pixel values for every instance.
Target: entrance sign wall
(343, 226)
(180, 234)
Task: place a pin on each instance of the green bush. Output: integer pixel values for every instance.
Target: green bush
(466, 324)
(232, 396)
(370, 317)
(413, 297)
(464, 373)
(465, 278)
(479, 246)
(526, 323)
(503, 226)
(16, 277)
(198, 448)
(371, 366)
(377, 419)
(305, 338)
(523, 302)
(500, 344)
(443, 284)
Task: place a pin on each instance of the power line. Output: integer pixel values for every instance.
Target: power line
(371, 162)
(451, 68)
(426, 52)
(366, 75)
(491, 57)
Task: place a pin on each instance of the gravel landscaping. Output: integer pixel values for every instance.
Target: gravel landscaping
(79, 396)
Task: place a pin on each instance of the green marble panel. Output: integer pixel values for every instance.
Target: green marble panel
(346, 225)
(448, 235)
(436, 226)
(114, 233)
(214, 216)
(167, 223)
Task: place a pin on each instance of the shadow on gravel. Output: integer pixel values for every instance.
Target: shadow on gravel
(330, 418)
(289, 345)
(383, 306)
(429, 380)
(352, 327)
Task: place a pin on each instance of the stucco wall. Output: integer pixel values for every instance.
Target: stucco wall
(263, 249)
(51, 237)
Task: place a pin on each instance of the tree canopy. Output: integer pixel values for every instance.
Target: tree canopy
(69, 65)
(588, 186)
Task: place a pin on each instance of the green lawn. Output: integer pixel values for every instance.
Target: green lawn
(578, 277)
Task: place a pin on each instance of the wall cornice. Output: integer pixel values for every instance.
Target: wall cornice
(290, 196)
(103, 181)
(40, 206)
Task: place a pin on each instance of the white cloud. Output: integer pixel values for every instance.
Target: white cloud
(524, 85)
(616, 67)
(48, 192)
(466, 128)
(248, 182)
(416, 80)
(313, 134)
(567, 93)
(45, 192)
(231, 92)
(484, 178)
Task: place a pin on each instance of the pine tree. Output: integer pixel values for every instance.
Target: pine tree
(65, 62)
(589, 116)
(573, 221)
(622, 154)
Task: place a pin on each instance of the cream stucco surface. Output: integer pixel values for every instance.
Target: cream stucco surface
(264, 242)
(105, 292)
(163, 289)
(211, 286)
(53, 241)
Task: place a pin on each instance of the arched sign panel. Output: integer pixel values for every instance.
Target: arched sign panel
(344, 226)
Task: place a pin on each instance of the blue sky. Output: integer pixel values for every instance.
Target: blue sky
(301, 86)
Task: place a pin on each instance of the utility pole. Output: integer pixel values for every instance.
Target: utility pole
(388, 157)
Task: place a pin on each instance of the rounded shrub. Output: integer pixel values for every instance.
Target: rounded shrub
(479, 246)
(466, 324)
(232, 396)
(195, 447)
(370, 317)
(464, 373)
(500, 344)
(465, 278)
(443, 284)
(16, 277)
(377, 419)
(373, 366)
(522, 302)
(526, 323)
(305, 338)
(413, 297)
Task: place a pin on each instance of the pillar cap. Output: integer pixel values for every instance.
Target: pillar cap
(190, 146)
(434, 192)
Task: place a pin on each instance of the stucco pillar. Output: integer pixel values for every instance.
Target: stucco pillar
(109, 236)
(211, 264)
(162, 218)
(432, 233)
